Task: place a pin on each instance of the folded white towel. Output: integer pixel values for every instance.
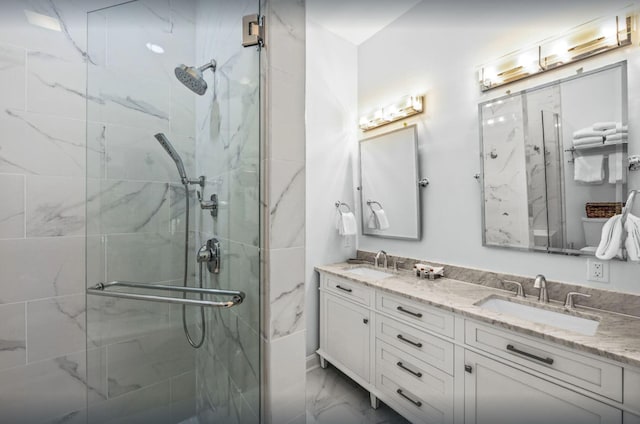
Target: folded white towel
(589, 169)
(632, 244)
(587, 132)
(617, 136)
(346, 224)
(603, 126)
(616, 168)
(587, 140)
(614, 142)
(615, 131)
(610, 239)
(590, 145)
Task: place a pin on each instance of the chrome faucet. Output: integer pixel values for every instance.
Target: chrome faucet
(377, 258)
(541, 283)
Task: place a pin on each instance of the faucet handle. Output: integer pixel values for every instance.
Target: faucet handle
(396, 263)
(569, 303)
(519, 288)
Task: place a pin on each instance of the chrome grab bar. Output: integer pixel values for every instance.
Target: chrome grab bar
(100, 289)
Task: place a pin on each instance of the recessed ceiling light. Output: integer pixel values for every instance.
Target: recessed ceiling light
(155, 48)
(43, 21)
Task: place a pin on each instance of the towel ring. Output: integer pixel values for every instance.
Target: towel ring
(340, 204)
(370, 203)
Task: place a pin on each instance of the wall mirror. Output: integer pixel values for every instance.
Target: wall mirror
(554, 162)
(389, 186)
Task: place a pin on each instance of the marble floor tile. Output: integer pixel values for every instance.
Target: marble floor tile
(333, 398)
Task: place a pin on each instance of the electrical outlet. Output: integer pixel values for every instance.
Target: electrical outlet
(597, 271)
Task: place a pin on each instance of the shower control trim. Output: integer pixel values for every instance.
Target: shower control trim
(210, 254)
(211, 205)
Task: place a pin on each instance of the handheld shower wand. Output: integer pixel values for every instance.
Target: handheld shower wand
(168, 147)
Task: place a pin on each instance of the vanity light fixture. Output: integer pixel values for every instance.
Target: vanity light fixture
(590, 39)
(403, 108)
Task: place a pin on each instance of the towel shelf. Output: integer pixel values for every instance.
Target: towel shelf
(592, 148)
(100, 289)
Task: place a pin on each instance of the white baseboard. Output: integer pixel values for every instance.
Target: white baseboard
(313, 362)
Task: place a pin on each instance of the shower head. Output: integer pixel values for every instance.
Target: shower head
(164, 142)
(192, 77)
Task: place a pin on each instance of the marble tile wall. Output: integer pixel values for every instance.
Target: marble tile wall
(283, 217)
(134, 211)
(227, 122)
(505, 183)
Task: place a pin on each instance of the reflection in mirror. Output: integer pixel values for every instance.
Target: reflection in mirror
(390, 200)
(554, 162)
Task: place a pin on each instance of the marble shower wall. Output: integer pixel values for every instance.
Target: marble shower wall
(283, 215)
(505, 180)
(228, 154)
(134, 211)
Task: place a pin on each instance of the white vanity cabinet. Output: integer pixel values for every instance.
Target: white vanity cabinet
(496, 393)
(345, 327)
(435, 366)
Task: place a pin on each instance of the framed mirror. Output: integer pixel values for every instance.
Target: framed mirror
(389, 186)
(554, 162)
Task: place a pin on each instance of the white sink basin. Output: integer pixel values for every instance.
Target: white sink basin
(369, 272)
(532, 313)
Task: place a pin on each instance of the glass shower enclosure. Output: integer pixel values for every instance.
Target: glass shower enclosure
(173, 168)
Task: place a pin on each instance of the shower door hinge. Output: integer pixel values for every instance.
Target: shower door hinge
(253, 31)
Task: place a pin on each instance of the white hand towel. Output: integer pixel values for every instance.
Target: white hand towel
(587, 140)
(616, 168)
(589, 169)
(603, 126)
(382, 223)
(611, 239)
(632, 244)
(346, 224)
(616, 137)
(587, 132)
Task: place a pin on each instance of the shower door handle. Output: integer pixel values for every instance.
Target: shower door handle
(237, 297)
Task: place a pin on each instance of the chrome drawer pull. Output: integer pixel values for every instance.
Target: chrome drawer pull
(511, 348)
(416, 344)
(415, 402)
(415, 314)
(404, 367)
(343, 288)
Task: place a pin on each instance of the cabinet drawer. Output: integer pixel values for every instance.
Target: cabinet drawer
(427, 317)
(585, 372)
(348, 290)
(422, 346)
(413, 406)
(416, 376)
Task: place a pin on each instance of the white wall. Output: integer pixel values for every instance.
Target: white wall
(435, 49)
(331, 102)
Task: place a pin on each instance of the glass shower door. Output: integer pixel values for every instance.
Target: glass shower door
(141, 367)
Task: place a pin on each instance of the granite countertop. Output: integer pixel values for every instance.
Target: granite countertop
(617, 337)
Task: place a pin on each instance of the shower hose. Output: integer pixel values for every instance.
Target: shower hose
(194, 344)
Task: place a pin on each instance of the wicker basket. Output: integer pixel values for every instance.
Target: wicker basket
(603, 209)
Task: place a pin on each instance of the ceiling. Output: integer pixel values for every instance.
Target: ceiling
(356, 20)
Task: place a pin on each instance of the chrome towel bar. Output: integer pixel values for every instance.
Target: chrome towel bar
(100, 289)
